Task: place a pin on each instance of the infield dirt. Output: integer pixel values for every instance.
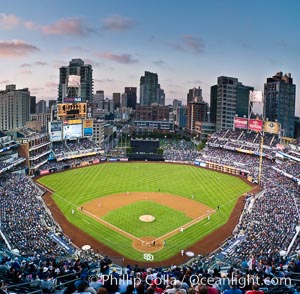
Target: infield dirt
(205, 246)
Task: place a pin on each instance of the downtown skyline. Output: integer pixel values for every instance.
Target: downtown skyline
(187, 43)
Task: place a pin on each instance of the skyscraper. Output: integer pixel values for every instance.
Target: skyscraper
(32, 104)
(280, 100)
(75, 82)
(228, 98)
(213, 103)
(181, 116)
(41, 106)
(117, 100)
(176, 104)
(131, 97)
(194, 95)
(99, 97)
(150, 91)
(14, 107)
(196, 112)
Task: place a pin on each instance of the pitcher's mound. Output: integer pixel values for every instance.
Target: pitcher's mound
(147, 218)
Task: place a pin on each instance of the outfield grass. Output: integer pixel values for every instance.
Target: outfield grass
(75, 187)
(127, 219)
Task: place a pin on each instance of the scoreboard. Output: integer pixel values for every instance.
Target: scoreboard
(71, 110)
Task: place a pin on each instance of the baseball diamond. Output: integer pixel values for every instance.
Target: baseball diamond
(109, 199)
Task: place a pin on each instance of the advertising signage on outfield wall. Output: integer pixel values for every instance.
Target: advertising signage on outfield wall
(255, 125)
(87, 127)
(271, 127)
(240, 123)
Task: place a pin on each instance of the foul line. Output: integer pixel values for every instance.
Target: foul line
(177, 230)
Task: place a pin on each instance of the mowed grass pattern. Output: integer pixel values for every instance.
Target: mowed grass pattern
(127, 219)
(75, 187)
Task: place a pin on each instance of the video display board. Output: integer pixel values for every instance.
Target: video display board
(72, 131)
(55, 131)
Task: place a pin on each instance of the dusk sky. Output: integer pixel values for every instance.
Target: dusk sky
(188, 43)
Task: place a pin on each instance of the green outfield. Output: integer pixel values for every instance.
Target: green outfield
(74, 188)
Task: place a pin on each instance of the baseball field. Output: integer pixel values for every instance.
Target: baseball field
(137, 208)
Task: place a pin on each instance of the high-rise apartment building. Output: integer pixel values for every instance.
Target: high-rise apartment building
(280, 102)
(176, 104)
(194, 95)
(228, 98)
(75, 82)
(14, 107)
(196, 112)
(150, 91)
(131, 97)
(41, 106)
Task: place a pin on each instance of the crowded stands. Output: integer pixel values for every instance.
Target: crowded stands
(263, 246)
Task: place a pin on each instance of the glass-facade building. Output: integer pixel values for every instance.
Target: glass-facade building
(280, 101)
(84, 90)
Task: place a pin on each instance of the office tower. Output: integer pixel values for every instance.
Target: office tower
(131, 97)
(181, 116)
(280, 101)
(213, 103)
(32, 105)
(228, 98)
(99, 97)
(117, 100)
(41, 106)
(194, 95)
(124, 100)
(196, 112)
(75, 82)
(150, 91)
(176, 104)
(14, 107)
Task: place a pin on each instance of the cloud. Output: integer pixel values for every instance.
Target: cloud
(60, 63)
(195, 82)
(9, 21)
(122, 58)
(118, 23)
(193, 43)
(159, 62)
(6, 82)
(16, 48)
(25, 65)
(30, 25)
(38, 89)
(103, 80)
(92, 62)
(70, 26)
(189, 43)
(25, 72)
(51, 85)
(42, 63)
(75, 48)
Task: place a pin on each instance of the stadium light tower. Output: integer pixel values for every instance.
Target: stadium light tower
(261, 143)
